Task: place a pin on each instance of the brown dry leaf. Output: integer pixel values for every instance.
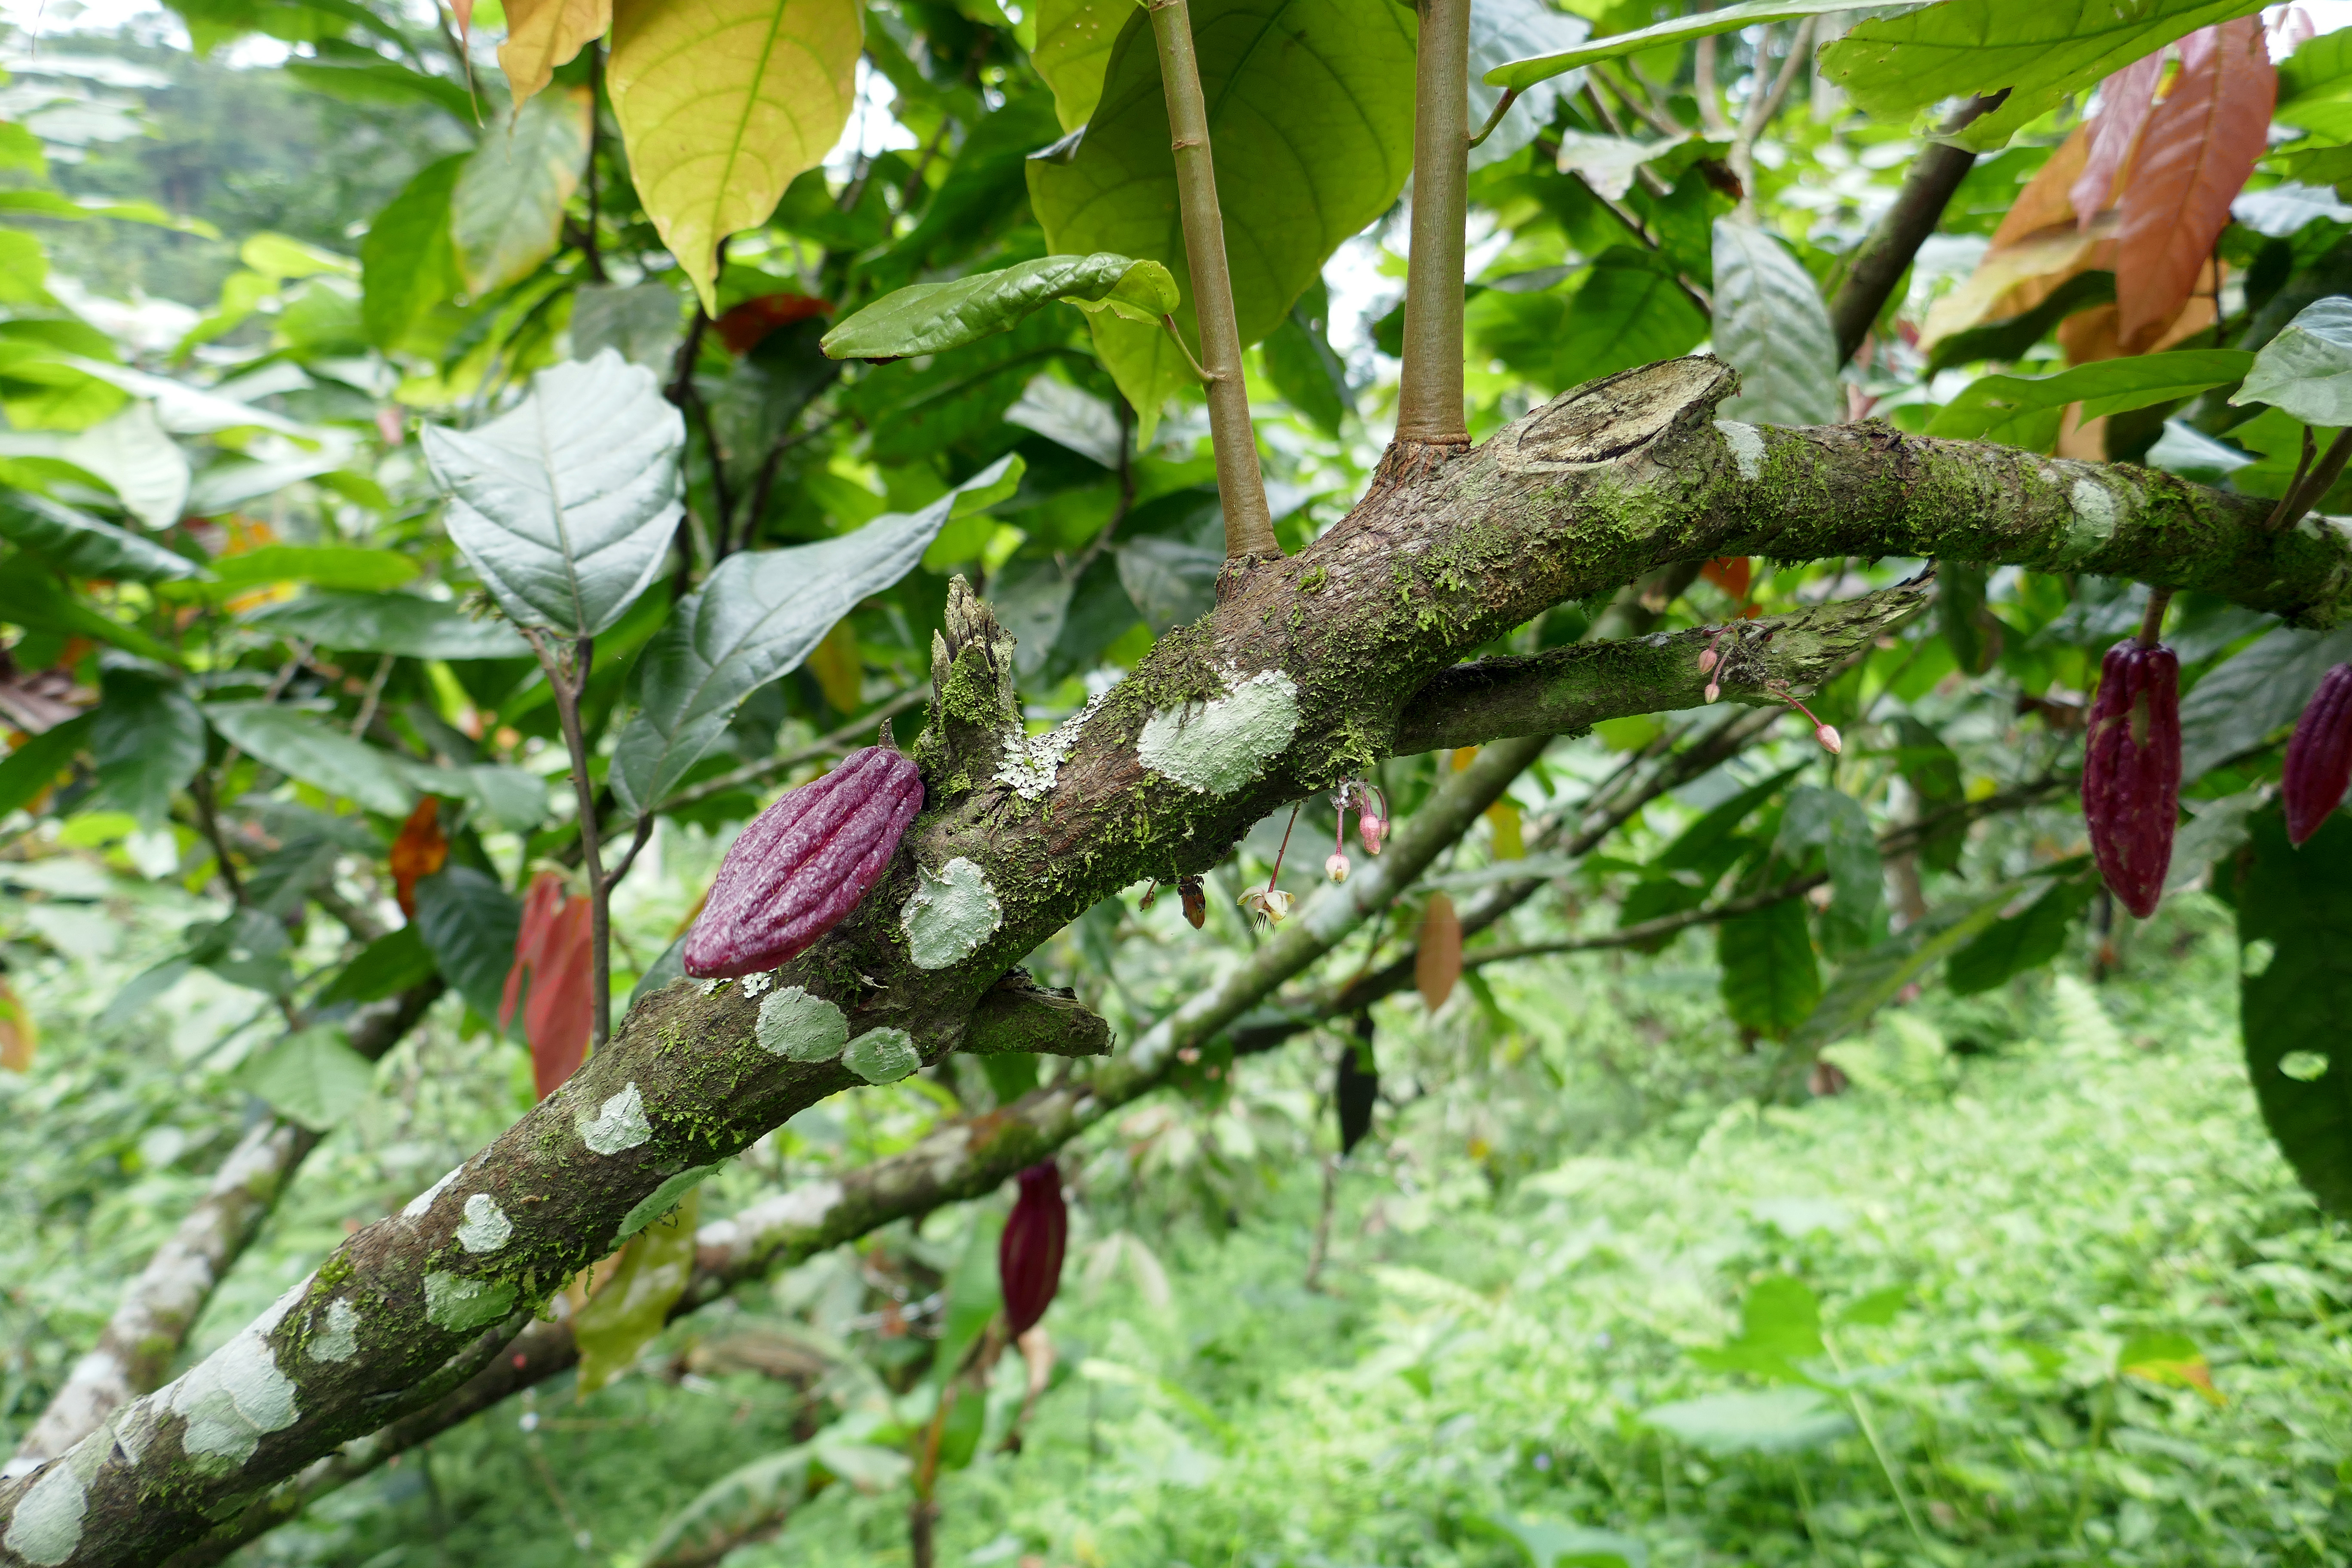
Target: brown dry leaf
(420, 850)
(19, 1035)
(840, 673)
(1438, 963)
(545, 34)
(2126, 99)
(2009, 281)
(2200, 146)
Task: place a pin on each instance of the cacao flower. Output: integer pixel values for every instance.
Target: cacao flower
(1708, 661)
(2319, 757)
(2131, 771)
(803, 864)
(1335, 866)
(1029, 1253)
(1270, 904)
(1828, 736)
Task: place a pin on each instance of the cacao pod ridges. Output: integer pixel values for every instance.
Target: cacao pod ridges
(2131, 771)
(2319, 757)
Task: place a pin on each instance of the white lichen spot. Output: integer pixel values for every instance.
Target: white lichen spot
(424, 1201)
(882, 1056)
(711, 987)
(619, 1124)
(801, 1027)
(1216, 747)
(235, 1397)
(2095, 519)
(1746, 443)
(337, 1339)
(461, 1305)
(755, 983)
(485, 1226)
(47, 1527)
(1032, 763)
(950, 914)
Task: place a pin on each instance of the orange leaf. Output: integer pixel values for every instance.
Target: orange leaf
(2126, 99)
(2200, 144)
(1438, 964)
(741, 327)
(540, 907)
(2047, 199)
(1732, 574)
(418, 852)
(554, 958)
(19, 1035)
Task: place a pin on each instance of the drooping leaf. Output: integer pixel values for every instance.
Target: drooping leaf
(2020, 943)
(2294, 924)
(926, 318)
(1899, 66)
(401, 624)
(386, 967)
(408, 263)
(2023, 411)
(1770, 978)
(359, 74)
(20, 1034)
(721, 104)
(2253, 695)
(305, 746)
(419, 849)
(506, 209)
(2009, 337)
(839, 669)
(545, 34)
(143, 467)
(1771, 326)
(756, 618)
(1437, 962)
(1869, 981)
(1170, 583)
(1836, 824)
(469, 923)
(631, 1307)
(566, 506)
(148, 743)
(2200, 146)
(1932, 769)
(2306, 370)
(84, 546)
(551, 980)
(312, 1077)
(31, 597)
(641, 321)
(1304, 367)
(1526, 73)
(1341, 83)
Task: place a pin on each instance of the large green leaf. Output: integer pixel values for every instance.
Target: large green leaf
(469, 924)
(408, 263)
(2248, 698)
(506, 210)
(2294, 922)
(721, 103)
(2036, 51)
(1310, 122)
(1526, 73)
(36, 764)
(344, 566)
(85, 546)
(1074, 42)
(31, 597)
(2023, 411)
(312, 1077)
(2018, 942)
(756, 618)
(1763, 1421)
(401, 624)
(1836, 823)
(1770, 978)
(1630, 310)
(2306, 370)
(1869, 981)
(566, 506)
(386, 967)
(1771, 326)
(148, 743)
(305, 746)
(142, 466)
(927, 317)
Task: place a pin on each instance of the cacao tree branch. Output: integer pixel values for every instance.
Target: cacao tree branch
(1881, 259)
(1295, 680)
(1429, 392)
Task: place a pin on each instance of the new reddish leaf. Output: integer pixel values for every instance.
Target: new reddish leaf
(1732, 574)
(2126, 99)
(419, 851)
(2200, 146)
(741, 327)
(553, 962)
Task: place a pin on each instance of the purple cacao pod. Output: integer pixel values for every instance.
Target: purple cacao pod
(2319, 757)
(2131, 772)
(1029, 1254)
(803, 864)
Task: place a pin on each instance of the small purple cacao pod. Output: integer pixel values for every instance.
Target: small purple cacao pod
(1029, 1254)
(2319, 757)
(803, 864)
(2131, 772)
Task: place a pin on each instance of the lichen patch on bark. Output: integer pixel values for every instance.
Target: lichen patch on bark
(950, 914)
(801, 1027)
(1218, 746)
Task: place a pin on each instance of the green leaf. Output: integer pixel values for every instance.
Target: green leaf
(84, 546)
(1503, 32)
(630, 1307)
(565, 507)
(2299, 904)
(1170, 583)
(31, 598)
(148, 743)
(721, 104)
(1698, 845)
(408, 263)
(514, 799)
(2023, 411)
(36, 765)
(738, 1506)
(303, 746)
(756, 618)
(1771, 326)
(50, 204)
(2016, 943)
(1767, 1421)
(506, 210)
(1631, 309)
(374, 79)
(1836, 824)
(1550, 1546)
(1780, 1326)
(926, 318)
(1304, 367)
(469, 924)
(2037, 51)
(143, 467)
(2247, 699)
(2008, 339)
(401, 624)
(1340, 84)
(1771, 979)
(1073, 51)
(342, 566)
(2306, 370)
(1932, 769)
(386, 967)
(1526, 73)
(1871, 979)
(312, 1077)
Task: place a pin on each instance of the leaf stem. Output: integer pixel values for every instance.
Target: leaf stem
(567, 684)
(1429, 394)
(2151, 624)
(1249, 525)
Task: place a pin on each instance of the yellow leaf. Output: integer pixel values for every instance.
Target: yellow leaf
(630, 1307)
(721, 103)
(545, 34)
(18, 1033)
(505, 213)
(840, 673)
(1510, 836)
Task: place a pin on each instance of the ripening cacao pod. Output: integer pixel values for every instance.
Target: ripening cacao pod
(803, 864)
(2131, 772)
(2319, 757)
(1359, 1086)
(1029, 1254)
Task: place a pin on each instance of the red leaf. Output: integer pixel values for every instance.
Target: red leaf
(554, 958)
(418, 852)
(1732, 574)
(2126, 99)
(2200, 146)
(741, 327)
(540, 907)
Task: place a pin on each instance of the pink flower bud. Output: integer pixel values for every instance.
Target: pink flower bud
(1828, 736)
(1371, 829)
(1714, 690)
(1708, 661)
(1336, 868)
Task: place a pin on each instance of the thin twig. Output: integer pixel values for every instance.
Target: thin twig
(374, 695)
(567, 684)
(1762, 105)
